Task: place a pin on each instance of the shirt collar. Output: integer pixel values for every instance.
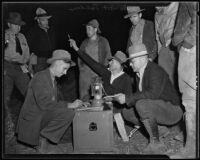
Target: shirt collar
(113, 77)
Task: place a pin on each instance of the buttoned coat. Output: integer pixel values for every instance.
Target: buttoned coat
(41, 97)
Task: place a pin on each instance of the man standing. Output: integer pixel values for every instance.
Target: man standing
(142, 31)
(16, 57)
(42, 116)
(185, 39)
(96, 47)
(156, 100)
(41, 40)
(164, 22)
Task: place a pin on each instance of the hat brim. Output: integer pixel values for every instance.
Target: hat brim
(50, 60)
(139, 54)
(132, 13)
(42, 17)
(21, 23)
(116, 58)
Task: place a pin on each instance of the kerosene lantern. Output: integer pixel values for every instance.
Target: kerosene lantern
(97, 92)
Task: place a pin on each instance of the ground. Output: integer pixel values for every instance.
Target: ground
(135, 145)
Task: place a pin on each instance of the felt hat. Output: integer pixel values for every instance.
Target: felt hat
(95, 24)
(132, 10)
(61, 55)
(137, 50)
(119, 56)
(41, 13)
(15, 18)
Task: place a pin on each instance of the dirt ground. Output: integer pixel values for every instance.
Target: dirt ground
(134, 146)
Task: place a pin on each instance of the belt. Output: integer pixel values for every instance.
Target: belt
(14, 63)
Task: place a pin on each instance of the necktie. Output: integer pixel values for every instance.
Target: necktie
(18, 46)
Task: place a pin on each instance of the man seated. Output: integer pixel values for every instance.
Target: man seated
(42, 116)
(156, 101)
(115, 80)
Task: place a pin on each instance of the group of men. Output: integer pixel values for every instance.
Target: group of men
(155, 102)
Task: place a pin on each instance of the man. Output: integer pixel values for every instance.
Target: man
(115, 80)
(155, 101)
(41, 40)
(185, 39)
(16, 56)
(164, 23)
(42, 116)
(142, 31)
(98, 48)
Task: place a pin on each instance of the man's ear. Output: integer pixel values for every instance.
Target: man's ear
(9, 24)
(140, 15)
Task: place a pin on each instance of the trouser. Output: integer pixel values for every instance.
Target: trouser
(187, 85)
(41, 64)
(163, 112)
(55, 123)
(13, 75)
(166, 60)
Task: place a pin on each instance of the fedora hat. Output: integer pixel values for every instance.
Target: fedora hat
(15, 18)
(61, 55)
(119, 56)
(137, 50)
(132, 10)
(41, 13)
(95, 24)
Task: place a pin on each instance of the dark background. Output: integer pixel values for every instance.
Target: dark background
(68, 18)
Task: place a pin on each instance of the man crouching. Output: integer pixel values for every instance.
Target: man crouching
(43, 118)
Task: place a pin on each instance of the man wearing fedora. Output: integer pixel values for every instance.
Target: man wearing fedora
(41, 40)
(156, 101)
(98, 48)
(142, 31)
(115, 80)
(43, 118)
(16, 56)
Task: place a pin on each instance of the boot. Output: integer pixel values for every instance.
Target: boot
(43, 146)
(188, 151)
(155, 145)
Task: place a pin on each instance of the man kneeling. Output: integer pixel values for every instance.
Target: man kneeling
(42, 116)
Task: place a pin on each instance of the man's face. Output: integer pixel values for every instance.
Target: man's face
(61, 68)
(135, 18)
(137, 63)
(113, 65)
(43, 22)
(91, 31)
(15, 28)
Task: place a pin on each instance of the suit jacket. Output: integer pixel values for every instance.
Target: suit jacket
(41, 97)
(155, 85)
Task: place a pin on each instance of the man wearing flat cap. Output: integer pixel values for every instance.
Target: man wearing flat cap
(98, 48)
(142, 31)
(16, 58)
(42, 40)
(43, 118)
(155, 101)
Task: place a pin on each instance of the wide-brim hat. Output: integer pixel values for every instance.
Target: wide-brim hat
(41, 13)
(61, 55)
(15, 18)
(137, 50)
(95, 24)
(132, 10)
(119, 56)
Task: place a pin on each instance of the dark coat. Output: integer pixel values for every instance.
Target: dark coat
(40, 42)
(41, 97)
(148, 38)
(121, 84)
(155, 85)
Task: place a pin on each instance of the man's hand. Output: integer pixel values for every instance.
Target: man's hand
(77, 103)
(73, 44)
(121, 98)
